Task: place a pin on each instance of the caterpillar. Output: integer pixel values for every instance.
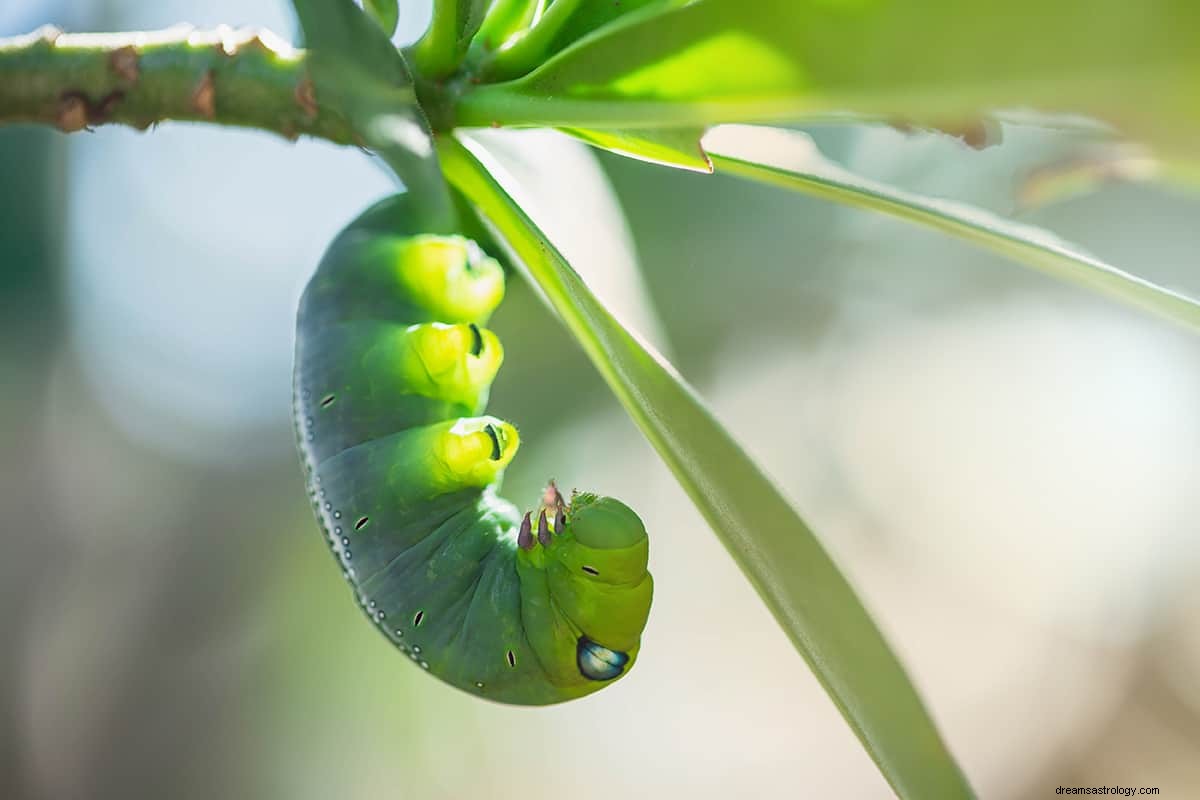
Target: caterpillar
(393, 367)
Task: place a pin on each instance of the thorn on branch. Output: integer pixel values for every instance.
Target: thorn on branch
(204, 97)
(124, 62)
(76, 111)
(72, 113)
(306, 98)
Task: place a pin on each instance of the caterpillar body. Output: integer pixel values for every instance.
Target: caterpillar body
(392, 372)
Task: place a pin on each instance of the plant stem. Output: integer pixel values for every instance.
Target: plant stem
(505, 19)
(245, 78)
(526, 51)
(511, 104)
(436, 53)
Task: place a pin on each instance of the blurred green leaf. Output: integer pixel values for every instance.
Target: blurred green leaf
(1100, 165)
(782, 558)
(340, 36)
(791, 160)
(559, 24)
(1095, 166)
(385, 12)
(670, 147)
(354, 65)
(592, 15)
(930, 61)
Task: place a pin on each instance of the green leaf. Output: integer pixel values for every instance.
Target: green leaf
(454, 23)
(927, 61)
(385, 12)
(591, 230)
(670, 147)
(354, 64)
(780, 556)
(561, 23)
(504, 19)
(341, 37)
(790, 159)
(593, 15)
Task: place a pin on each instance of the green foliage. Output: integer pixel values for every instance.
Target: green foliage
(647, 79)
(714, 61)
(595, 15)
(671, 147)
(454, 24)
(774, 547)
(790, 160)
(385, 12)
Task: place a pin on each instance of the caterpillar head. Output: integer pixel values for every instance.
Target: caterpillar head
(597, 590)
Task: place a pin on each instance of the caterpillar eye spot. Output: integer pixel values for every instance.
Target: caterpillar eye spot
(328, 401)
(417, 619)
(494, 434)
(476, 340)
(598, 663)
(512, 658)
(362, 523)
(591, 571)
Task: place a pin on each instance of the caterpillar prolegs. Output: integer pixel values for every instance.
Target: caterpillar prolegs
(393, 369)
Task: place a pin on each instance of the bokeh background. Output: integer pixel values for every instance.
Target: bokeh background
(1008, 469)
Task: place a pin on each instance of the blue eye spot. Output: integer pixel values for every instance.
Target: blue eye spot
(598, 663)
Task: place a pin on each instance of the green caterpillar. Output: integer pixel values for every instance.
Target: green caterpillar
(393, 369)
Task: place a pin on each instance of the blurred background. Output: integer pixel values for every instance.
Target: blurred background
(1008, 469)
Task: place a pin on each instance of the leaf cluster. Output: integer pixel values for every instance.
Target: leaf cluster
(675, 82)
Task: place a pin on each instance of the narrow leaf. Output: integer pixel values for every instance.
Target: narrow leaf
(563, 23)
(927, 61)
(471, 14)
(453, 24)
(505, 18)
(385, 12)
(670, 147)
(790, 159)
(338, 34)
(780, 556)
(594, 15)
